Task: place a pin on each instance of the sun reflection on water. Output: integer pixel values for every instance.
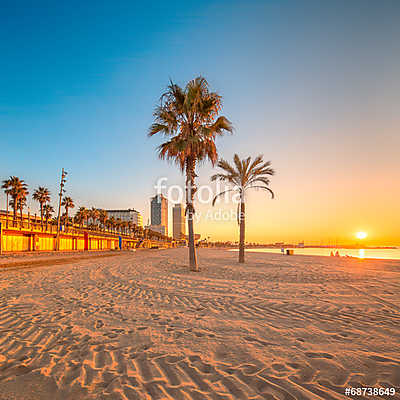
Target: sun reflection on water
(361, 253)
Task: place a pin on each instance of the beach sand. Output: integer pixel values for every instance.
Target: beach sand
(141, 326)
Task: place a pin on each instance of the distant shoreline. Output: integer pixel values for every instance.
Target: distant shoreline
(362, 253)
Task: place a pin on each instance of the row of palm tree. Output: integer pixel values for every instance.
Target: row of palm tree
(16, 191)
(188, 117)
(98, 219)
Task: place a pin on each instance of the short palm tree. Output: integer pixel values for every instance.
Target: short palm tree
(112, 224)
(94, 215)
(189, 118)
(80, 216)
(42, 196)
(67, 203)
(244, 174)
(103, 217)
(48, 211)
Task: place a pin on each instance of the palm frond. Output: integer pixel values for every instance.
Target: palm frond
(220, 194)
(265, 188)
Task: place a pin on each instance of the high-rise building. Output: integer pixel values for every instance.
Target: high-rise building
(159, 211)
(178, 221)
(127, 215)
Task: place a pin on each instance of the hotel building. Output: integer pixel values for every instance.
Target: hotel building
(127, 215)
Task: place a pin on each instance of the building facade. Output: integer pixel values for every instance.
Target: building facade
(178, 222)
(127, 215)
(159, 211)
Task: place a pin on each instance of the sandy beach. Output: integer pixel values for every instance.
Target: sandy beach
(141, 326)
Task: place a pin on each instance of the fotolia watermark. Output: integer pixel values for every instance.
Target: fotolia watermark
(203, 194)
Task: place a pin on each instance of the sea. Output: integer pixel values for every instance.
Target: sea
(387, 254)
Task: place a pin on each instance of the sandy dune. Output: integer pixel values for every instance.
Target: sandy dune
(140, 326)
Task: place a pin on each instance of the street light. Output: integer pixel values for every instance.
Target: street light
(62, 183)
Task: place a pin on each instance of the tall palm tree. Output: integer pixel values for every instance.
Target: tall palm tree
(48, 211)
(7, 190)
(244, 174)
(42, 196)
(189, 118)
(67, 203)
(18, 190)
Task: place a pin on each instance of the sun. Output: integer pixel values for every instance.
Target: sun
(361, 235)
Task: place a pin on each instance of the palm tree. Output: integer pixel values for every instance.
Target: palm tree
(103, 217)
(42, 196)
(21, 203)
(244, 175)
(189, 118)
(118, 224)
(85, 214)
(111, 222)
(67, 203)
(7, 190)
(48, 211)
(94, 215)
(18, 189)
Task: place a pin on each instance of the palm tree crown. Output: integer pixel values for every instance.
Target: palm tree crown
(245, 175)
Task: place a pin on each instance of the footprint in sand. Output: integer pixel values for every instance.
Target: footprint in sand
(279, 367)
(99, 324)
(319, 355)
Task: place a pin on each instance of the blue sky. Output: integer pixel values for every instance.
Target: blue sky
(306, 83)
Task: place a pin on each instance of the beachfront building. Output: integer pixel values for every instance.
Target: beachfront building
(159, 212)
(178, 222)
(127, 215)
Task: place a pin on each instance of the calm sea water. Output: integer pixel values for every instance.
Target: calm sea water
(360, 253)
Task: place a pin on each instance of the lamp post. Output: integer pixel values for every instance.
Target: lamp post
(62, 183)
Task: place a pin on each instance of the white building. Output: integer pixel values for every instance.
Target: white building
(127, 215)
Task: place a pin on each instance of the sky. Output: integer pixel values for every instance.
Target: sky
(313, 86)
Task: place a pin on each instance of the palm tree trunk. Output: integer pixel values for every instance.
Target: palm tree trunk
(41, 214)
(190, 190)
(242, 231)
(15, 206)
(66, 220)
(7, 211)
